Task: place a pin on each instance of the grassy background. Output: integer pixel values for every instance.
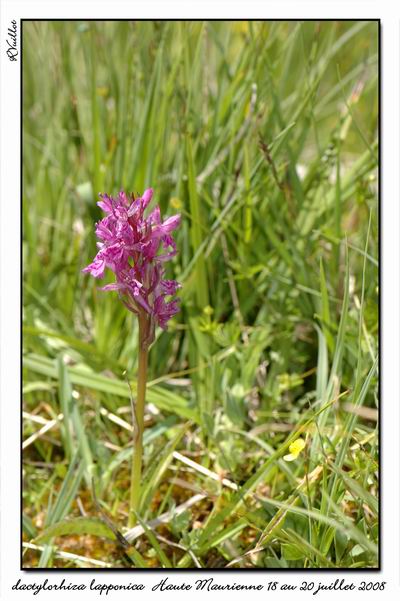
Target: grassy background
(264, 137)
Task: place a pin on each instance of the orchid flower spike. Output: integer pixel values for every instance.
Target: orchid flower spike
(135, 248)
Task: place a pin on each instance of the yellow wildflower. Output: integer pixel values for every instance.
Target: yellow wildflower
(295, 449)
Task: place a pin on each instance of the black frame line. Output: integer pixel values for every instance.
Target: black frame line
(168, 571)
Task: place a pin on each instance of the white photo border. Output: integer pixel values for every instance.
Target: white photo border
(10, 298)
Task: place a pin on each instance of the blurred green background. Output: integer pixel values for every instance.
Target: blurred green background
(263, 135)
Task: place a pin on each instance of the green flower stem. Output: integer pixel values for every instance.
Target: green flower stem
(136, 473)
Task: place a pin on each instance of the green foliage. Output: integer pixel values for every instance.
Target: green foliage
(263, 135)
(76, 526)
